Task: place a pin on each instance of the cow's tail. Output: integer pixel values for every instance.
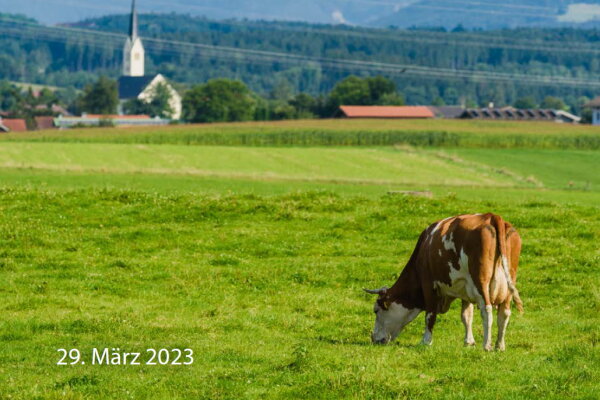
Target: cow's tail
(501, 239)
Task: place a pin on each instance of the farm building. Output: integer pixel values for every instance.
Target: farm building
(595, 106)
(402, 112)
(513, 114)
(448, 112)
(12, 125)
(134, 84)
(42, 123)
(116, 120)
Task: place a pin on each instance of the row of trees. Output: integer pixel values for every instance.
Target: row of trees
(222, 100)
(213, 101)
(227, 100)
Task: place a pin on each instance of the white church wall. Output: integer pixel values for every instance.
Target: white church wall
(175, 101)
(133, 58)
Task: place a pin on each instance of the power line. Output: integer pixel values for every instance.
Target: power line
(444, 38)
(428, 37)
(100, 39)
(221, 51)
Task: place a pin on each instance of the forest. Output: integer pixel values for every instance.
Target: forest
(280, 59)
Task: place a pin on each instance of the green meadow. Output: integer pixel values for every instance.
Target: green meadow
(252, 249)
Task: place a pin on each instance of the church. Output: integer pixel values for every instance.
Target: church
(134, 83)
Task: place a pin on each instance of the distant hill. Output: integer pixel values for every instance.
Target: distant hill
(488, 14)
(484, 14)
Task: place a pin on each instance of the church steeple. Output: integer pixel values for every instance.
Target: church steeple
(133, 22)
(133, 52)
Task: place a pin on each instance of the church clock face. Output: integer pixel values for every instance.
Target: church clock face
(136, 56)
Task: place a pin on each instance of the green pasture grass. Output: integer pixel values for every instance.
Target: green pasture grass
(190, 184)
(342, 132)
(317, 164)
(267, 292)
(555, 168)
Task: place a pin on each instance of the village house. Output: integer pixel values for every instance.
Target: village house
(594, 105)
(12, 125)
(63, 122)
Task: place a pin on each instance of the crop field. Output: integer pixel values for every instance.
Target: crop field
(254, 256)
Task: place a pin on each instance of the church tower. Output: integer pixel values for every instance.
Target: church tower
(133, 52)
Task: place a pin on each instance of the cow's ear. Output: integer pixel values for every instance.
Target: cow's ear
(383, 303)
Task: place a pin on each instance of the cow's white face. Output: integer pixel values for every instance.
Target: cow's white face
(390, 318)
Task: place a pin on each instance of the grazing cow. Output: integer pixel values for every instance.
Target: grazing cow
(470, 257)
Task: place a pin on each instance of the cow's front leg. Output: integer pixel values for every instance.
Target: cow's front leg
(429, 323)
(503, 317)
(487, 318)
(467, 320)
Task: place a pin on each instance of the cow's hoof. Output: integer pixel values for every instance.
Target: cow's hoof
(469, 343)
(500, 347)
(487, 347)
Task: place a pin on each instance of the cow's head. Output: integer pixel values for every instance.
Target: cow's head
(390, 317)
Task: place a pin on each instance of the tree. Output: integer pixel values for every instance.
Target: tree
(10, 97)
(525, 102)
(353, 90)
(67, 97)
(390, 99)
(284, 111)
(282, 91)
(350, 91)
(158, 106)
(305, 105)
(100, 98)
(438, 101)
(219, 100)
(383, 91)
(553, 103)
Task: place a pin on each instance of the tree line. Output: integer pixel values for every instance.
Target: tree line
(77, 60)
(219, 100)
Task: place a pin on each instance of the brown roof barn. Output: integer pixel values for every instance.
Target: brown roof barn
(44, 122)
(13, 125)
(386, 112)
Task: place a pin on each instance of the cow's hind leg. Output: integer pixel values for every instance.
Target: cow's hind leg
(503, 317)
(487, 317)
(467, 320)
(485, 263)
(429, 323)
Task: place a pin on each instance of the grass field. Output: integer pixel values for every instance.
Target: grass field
(254, 257)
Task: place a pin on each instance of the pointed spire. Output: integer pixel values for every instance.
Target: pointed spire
(133, 26)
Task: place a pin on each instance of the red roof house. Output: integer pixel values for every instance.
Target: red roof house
(386, 112)
(13, 125)
(44, 123)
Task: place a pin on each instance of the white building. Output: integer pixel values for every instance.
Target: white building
(595, 106)
(133, 51)
(135, 84)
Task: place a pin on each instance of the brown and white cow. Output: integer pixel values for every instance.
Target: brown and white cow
(469, 257)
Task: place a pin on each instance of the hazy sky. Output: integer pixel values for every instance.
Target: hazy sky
(361, 12)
